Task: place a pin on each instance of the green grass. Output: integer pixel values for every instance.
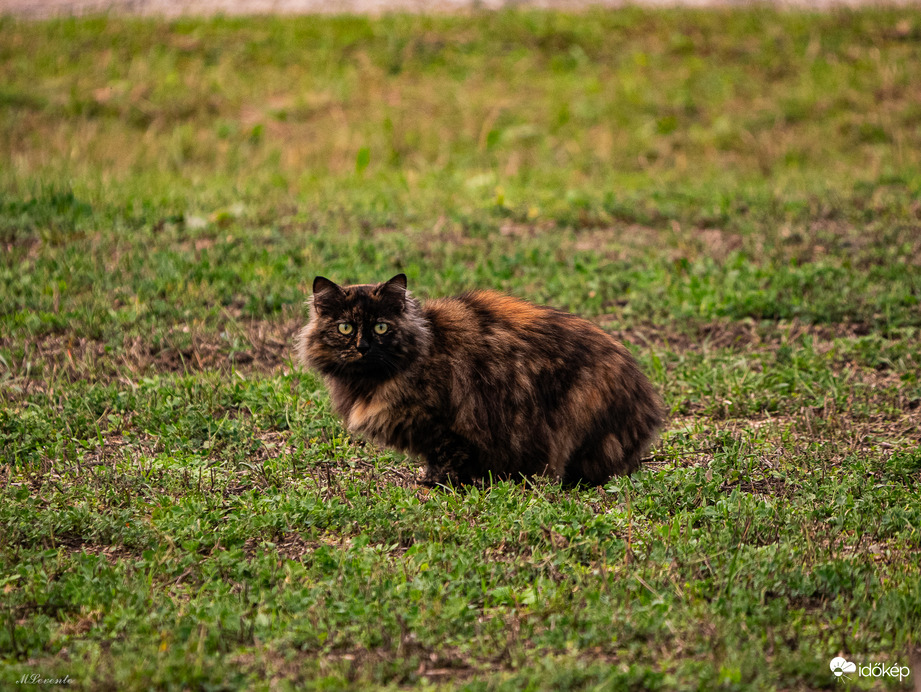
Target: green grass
(735, 194)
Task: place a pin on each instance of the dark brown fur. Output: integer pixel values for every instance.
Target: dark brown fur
(481, 384)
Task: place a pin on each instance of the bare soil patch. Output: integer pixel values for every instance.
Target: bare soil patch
(265, 344)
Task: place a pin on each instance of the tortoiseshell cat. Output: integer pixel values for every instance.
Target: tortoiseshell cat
(480, 384)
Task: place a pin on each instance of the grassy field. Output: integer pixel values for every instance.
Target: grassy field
(736, 195)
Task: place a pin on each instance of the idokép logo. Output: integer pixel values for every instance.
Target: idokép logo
(841, 667)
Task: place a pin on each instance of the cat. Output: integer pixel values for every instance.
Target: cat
(481, 385)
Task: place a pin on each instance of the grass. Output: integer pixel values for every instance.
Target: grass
(735, 194)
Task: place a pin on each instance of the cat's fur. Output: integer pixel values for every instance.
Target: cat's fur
(481, 384)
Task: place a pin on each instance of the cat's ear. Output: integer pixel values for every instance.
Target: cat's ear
(395, 289)
(399, 281)
(321, 284)
(324, 292)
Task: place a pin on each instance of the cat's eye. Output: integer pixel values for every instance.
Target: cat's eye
(381, 327)
(346, 328)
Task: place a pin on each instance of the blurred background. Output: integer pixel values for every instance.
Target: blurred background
(45, 8)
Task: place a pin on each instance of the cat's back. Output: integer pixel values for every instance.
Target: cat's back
(499, 322)
(534, 383)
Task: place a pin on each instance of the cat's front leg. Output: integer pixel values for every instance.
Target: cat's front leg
(450, 460)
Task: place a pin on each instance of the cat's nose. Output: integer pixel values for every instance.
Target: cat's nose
(363, 346)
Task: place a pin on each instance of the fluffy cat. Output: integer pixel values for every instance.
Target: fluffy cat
(481, 384)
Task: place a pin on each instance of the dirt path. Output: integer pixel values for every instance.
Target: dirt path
(49, 8)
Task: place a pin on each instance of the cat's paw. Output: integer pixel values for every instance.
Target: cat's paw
(434, 477)
(445, 478)
(426, 482)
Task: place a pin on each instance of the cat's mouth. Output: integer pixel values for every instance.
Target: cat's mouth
(363, 361)
(370, 364)
(354, 357)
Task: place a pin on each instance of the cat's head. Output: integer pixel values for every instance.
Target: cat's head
(366, 331)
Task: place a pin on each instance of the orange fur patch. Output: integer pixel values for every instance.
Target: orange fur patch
(509, 308)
